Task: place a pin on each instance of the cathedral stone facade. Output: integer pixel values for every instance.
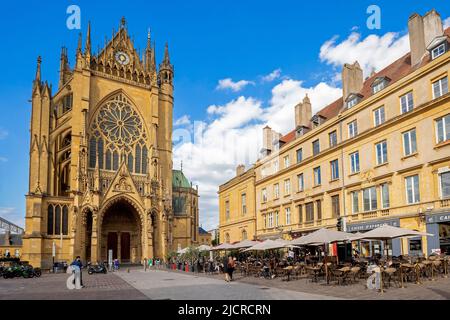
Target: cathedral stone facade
(100, 174)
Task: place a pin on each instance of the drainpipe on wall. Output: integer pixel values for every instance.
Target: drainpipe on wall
(344, 217)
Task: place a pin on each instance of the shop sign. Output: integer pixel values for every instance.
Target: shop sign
(437, 218)
(372, 225)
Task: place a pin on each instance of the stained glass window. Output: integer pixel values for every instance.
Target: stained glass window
(65, 221)
(117, 130)
(137, 168)
(50, 220)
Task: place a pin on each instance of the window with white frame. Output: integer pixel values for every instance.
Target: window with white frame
(379, 116)
(440, 87)
(444, 182)
(355, 201)
(287, 186)
(277, 218)
(438, 51)
(270, 220)
(299, 153)
(227, 210)
(352, 102)
(334, 169)
(317, 176)
(370, 199)
(288, 216)
(264, 195)
(385, 195)
(352, 129)
(287, 162)
(407, 102)
(244, 204)
(381, 152)
(409, 142)
(276, 165)
(301, 182)
(379, 86)
(276, 191)
(412, 189)
(316, 147)
(354, 162)
(332, 138)
(443, 129)
(309, 209)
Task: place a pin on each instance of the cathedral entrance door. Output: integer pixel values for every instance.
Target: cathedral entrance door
(121, 231)
(125, 246)
(112, 243)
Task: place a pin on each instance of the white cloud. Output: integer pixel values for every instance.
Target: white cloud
(233, 136)
(12, 215)
(3, 133)
(184, 120)
(275, 74)
(372, 52)
(287, 94)
(446, 23)
(228, 83)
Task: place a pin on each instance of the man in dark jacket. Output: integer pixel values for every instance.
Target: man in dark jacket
(77, 262)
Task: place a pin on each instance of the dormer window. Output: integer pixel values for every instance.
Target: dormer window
(438, 47)
(353, 100)
(379, 84)
(317, 120)
(438, 51)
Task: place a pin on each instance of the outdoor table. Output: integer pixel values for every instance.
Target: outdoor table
(343, 272)
(409, 267)
(316, 271)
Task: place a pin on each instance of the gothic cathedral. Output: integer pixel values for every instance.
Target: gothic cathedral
(100, 174)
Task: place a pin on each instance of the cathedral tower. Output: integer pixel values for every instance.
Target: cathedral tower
(100, 175)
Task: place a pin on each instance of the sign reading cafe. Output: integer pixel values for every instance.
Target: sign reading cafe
(372, 225)
(437, 218)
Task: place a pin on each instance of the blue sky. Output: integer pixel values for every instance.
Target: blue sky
(209, 41)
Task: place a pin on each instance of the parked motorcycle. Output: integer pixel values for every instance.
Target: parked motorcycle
(16, 271)
(99, 268)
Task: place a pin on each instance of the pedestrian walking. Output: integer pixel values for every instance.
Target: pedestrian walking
(230, 269)
(77, 262)
(145, 264)
(116, 264)
(225, 269)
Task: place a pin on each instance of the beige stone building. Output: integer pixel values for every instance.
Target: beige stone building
(100, 175)
(237, 207)
(378, 155)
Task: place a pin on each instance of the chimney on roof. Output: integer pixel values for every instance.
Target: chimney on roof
(432, 26)
(352, 79)
(303, 113)
(240, 169)
(422, 31)
(267, 140)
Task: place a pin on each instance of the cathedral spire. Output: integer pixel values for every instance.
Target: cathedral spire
(148, 53)
(79, 47)
(38, 70)
(149, 40)
(166, 55)
(88, 40)
(63, 67)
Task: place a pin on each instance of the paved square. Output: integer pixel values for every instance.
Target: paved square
(177, 285)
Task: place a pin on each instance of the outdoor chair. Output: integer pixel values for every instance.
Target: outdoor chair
(390, 274)
(354, 274)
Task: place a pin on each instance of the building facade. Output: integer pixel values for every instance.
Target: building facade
(204, 237)
(237, 207)
(100, 174)
(378, 155)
